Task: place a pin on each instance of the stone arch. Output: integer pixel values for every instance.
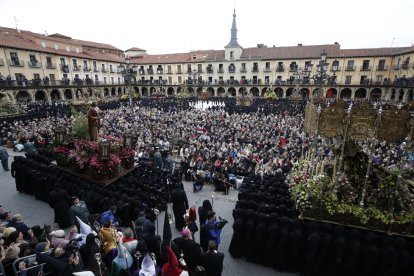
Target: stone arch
(23, 96)
(6, 97)
(190, 90)
(152, 90)
(113, 91)
(79, 93)
(232, 91)
(170, 91)
(317, 91)
(136, 89)
(400, 94)
(305, 92)
(289, 92)
(262, 93)
(346, 93)
(199, 90)
(409, 95)
(242, 90)
(68, 94)
(255, 91)
(144, 91)
(211, 90)
(393, 94)
(106, 92)
(279, 92)
(332, 93)
(220, 91)
(55, 95)
(375, 94)
(40, 95)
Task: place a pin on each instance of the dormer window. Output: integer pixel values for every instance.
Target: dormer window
(67, 49)
(43, 44)
(56, 47)
(231, 54)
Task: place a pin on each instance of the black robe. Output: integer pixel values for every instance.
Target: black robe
(59, 201)
(180, 205)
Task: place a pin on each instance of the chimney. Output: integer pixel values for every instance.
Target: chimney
(336, 43)
(300, 44)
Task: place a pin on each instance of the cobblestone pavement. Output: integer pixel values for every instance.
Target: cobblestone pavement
(37, 212)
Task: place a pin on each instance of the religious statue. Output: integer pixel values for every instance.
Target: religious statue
(93, 121)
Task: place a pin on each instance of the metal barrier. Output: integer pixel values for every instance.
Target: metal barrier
(29, 260)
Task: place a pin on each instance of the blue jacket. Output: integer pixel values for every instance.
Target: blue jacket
(212, 231)
(108, 215)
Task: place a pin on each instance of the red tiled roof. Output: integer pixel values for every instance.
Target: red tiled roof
(25, 41)
(291, 52)
(371, 52)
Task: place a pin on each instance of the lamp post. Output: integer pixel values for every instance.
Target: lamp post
(320, 77)
(129, 74)
(299, 76)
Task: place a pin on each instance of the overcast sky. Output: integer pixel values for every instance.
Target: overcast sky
(168, 26)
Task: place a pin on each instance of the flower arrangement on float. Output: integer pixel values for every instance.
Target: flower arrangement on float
(389, 207)
(87, 158)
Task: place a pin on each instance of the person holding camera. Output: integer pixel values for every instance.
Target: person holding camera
(214, 227)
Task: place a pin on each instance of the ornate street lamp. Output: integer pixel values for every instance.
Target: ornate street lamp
(129, 73)
(320, 77)
(60, 134)
(104, 149)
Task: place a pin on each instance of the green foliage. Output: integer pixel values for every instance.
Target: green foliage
(80, 127)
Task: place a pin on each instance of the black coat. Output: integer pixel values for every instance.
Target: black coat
(191, 251)
(59, 201)
(212, 263)
(180, 205)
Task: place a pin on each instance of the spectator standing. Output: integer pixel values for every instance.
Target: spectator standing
(4, 157)
(212, 261)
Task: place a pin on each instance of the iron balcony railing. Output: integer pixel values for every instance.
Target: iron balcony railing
(34, 64)
(50, 65)
(17, 63)
(365, 68)
(382, 68)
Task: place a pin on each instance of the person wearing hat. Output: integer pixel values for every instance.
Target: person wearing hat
(161, 253)
(173, 267)
(189, 248)
(78, 209)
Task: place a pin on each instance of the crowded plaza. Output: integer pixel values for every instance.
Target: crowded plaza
(280, 160)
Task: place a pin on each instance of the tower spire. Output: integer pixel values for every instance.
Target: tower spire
(233, 40)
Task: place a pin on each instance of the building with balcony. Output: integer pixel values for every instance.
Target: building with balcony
(73, 67)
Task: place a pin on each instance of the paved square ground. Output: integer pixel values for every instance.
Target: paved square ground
(38, 212)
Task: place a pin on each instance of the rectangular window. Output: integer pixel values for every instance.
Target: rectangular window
(56, 47)
(188, 68)
(267, 66)
(36, 76)
(180, 80)
(43, 44)
(62, 61)
(179, 70)
(348, 79)
(200, 68)
(104, 80)
(169, 69)
(350, 65)
(110, 68)
(112, 80)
